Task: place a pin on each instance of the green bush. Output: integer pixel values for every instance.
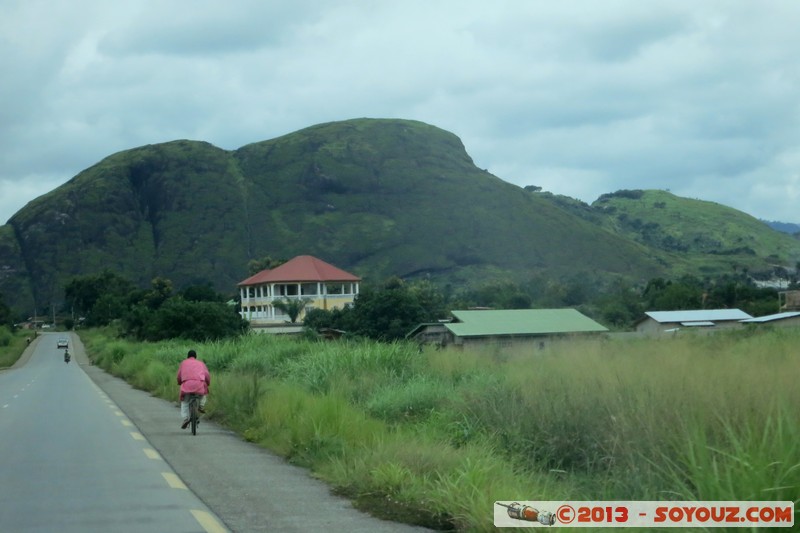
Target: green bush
(5, 336)
(12, 345)
(198, 321)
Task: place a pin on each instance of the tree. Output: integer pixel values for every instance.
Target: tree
(497, 294)
(201, 293)
(519, 300)
(82, 292)
(292, 306)
(198, 321)
(430, 298)
(686, 293)
(257, 265)
(387, 313)
(621, 305)
(384, 313)
(160, 292)
(317, 319)
(5, 312)
(107, 308)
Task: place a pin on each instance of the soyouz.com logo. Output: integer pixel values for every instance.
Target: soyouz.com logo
(643, 514)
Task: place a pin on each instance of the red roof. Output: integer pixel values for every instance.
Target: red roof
(301, 268)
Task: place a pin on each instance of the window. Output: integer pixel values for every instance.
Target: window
(286, 290)
(334, 288)
(308, 289)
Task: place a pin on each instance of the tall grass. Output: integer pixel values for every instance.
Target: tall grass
(12, 344)
(437, 437)
(755, 462)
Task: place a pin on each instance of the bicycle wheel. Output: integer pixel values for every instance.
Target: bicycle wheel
(193, 414)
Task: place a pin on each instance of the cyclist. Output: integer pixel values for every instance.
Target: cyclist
(193, 377)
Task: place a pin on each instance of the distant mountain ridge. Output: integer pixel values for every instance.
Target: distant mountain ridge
(375, 197)
(785, 227)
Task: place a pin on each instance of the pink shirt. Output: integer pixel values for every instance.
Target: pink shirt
(193, 377)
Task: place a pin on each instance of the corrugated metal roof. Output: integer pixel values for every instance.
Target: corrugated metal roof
(697, 315)
(424, 325)
(521, 322)
(298, 269)
(770, 318)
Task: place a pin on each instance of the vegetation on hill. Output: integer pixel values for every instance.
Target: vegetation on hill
(15, 281)
(378, 198)
(717, 237)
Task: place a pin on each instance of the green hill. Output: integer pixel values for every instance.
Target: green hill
(709, 236)
(374, 197)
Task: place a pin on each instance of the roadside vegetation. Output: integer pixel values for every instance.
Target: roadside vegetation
(436, 437)
(12, 344)
(160, 312)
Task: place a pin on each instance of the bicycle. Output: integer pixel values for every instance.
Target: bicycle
(194, 413)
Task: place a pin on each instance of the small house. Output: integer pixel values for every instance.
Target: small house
(655, 322)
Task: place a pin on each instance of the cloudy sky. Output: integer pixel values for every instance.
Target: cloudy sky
(700, 97)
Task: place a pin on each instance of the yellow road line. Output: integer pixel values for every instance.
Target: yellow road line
(118, 413)
(208, 522)
(136, 435)
(151, 453)
(126, 423)
(174, 481)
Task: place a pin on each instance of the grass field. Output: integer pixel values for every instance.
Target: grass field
(436, 437)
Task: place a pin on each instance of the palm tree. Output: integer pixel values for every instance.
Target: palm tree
(291, 307)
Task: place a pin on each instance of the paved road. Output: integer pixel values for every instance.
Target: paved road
(71, 461)
(244, 487)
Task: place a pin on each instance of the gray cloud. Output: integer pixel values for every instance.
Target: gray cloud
(580, 98)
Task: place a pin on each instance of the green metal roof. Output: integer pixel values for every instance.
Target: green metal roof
(521, 322)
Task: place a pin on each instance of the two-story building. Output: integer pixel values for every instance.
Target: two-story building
(319, 284)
